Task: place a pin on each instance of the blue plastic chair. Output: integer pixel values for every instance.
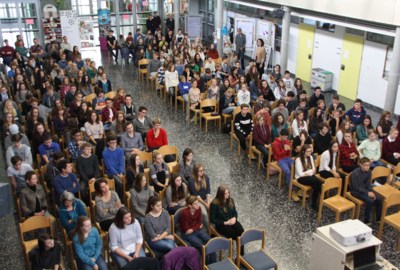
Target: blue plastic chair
(258, 260)
(218, 244)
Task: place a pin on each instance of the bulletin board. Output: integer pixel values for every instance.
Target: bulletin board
(266, 31)
(248, 28)
(194, 25)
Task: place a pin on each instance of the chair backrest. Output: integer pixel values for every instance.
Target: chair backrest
(89, 98)
(317, 161)
(35, 223)
(143, 62)
(161, 194)
(393, 199)
(251, 235)
(396, 171)
(169, 150)
(146, 158)
(208, 103)
(218, 243)
(111, 94)
(380, 171)
(331, 183)
(175, 220)
(347, 182)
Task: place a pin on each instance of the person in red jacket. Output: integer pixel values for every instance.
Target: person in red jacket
(156, 136)
(282, 152)
(391, 147)
(212, 52)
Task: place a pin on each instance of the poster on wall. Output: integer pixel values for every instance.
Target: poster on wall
(86, 33)
(184, 7)
(104, 27)
(51, 24)
(248, 28)
(70, 27)
(194, 25)
(266, 31)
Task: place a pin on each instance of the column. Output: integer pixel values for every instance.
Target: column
(285, 38)
(218, 23)
(176, 15)
(161, 11)
(117, 19)
(394, 75)
(134, 16)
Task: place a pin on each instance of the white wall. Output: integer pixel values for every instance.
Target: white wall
(293, 41)
(327, 53)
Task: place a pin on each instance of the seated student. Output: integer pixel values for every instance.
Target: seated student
(159, 172)
(371, 149)
(290, 103)
(51, 169)
(32, 198)
(340, 132)
(95, 131)
(107, 204)
(243, 95)
(227, 102)
(14, 129)
(104, 83)
(184, 87)
(361, 188)
(99, 103)
(348, 153)
(356, 114)
(16, 172)
(282, 154)
(298, 123)
(66, 180)
(142, 123)
(315, 97)
(74, 146)
(108, 114)
(186, 165)
(70, 210)
(131, 141)
(362, 129)
(299, 141)
(262, 138)
(114, 162)
(305, 173)
(224, 215)
(140, 195)
(391, 147)
(281, 109)
(126, 238)
(191, 224)
(335, 122)
(322, 139)
(384, 125)
(336, 106)
(158, 227)
(303, 105)
(47, 149)
(176, 194)
(199, 185)
(243, 125)
(129, 109)
(278, 123)
(327, 167)
(87, 166)
(315, 123)
(47, 254)
(87, 245)
(156, 136)
(260, 103)
(18, 149)
(321, 106)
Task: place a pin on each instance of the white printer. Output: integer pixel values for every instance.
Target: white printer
(350, 232)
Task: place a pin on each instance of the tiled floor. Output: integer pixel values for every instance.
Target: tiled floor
(260, 203)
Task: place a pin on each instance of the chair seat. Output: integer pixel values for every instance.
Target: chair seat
(393, 220)
(385, 190)
(143, 71)
(180, 98)
(339, 203)
(222, 265)
(396, 184)
(30, 245)
(259, 260)
(301, 186)
(354, 199)
(254, 149)
(208, 116)
(276, 166)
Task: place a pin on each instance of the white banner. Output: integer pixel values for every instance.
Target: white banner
(86, 33)
(70, 27)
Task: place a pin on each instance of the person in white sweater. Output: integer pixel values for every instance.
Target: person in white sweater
(327, 165)
(371, 148)
(243, 95)
(171, 78)
(305, 173)
(126, 238)
(298, 123)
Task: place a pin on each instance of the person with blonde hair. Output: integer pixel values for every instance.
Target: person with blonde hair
(159, 172)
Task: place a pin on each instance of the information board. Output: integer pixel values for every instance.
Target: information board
(194, 25)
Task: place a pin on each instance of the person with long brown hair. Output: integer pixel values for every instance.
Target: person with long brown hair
(305, 173)
(384, 125)
(87, 245)
(199, 185)
(176, 194)
(47, 255)
(141, 192)
(224, 215)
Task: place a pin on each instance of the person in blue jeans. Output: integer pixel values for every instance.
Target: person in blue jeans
(282, 151)
(192, 228)
(87, 245)
(361, 188)
(157, 226)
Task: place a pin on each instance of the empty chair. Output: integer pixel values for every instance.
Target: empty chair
(218, 244)
(257, 260)
(393, 219)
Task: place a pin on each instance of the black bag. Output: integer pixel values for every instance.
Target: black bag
(226, 128)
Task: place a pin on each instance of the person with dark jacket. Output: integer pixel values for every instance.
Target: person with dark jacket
(361, 188)
(243, 125)
(314, 98)
(391, 147)
(322, 140)
(356, 114)
(47, 255)
(262, 138)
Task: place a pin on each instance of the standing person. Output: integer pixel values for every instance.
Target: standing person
(169, 23)
(240, 43)
(243, 125)
(224, 215)
(87, 245)
(114, 162)
(47, 254)
(126, 238)
(112, 45)
(305, 173)
(260, 57)
(158, 227)
(361, 188)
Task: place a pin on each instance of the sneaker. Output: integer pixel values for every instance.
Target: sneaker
(295, 196)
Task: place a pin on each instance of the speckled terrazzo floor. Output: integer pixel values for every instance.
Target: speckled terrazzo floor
(260, 203)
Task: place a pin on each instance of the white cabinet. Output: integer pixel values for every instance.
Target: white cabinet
(321, 78)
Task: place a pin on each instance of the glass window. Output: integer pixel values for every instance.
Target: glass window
(28, 10)
(388, 63)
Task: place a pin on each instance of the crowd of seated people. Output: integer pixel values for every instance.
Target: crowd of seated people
(73, 141)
